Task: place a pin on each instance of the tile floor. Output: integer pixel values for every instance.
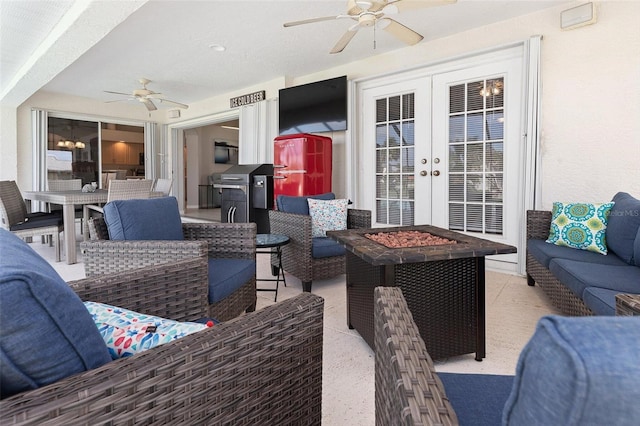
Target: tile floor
(513, 309)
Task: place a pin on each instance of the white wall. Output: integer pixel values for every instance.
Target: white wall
(590, 91)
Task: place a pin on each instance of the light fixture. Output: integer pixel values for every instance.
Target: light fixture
(61, 144)
(217, 47)
(492, 87)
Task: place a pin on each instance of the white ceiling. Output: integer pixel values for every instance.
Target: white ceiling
(84, 48)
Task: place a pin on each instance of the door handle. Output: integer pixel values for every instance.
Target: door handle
(436, 173)
(423, 173)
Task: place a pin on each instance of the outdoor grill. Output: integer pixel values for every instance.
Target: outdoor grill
(247, 194)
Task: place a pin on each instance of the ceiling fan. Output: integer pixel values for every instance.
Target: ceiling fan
(146, 96)
(369, 13)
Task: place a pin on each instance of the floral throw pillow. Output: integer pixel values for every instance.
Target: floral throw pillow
(327, 215)
(127, 332)
(580, 225)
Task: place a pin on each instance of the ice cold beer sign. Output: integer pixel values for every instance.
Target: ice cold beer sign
(251, 98)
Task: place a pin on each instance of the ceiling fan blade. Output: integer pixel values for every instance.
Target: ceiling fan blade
(120, 100)
(399, 31)
(147, 102)
(178, 104)
(345, 39)
(117, 93)
(309, 21)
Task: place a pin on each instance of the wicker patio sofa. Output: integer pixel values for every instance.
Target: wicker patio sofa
(580, 282)
(222, 240)
(261, 368)
(550, 385)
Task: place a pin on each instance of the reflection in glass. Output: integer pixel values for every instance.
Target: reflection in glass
(474, 127)
(394, 213)
(381, 136)
(407, 213)
(381, 211)
(475, 101)
(456, 128)
(493, 219)
(394, 134)
(407, 186)
(495, 125)
(475, 187)
(394, 187)
(456, 187)
(474, 218)
(475, 160)
(495, 156)
(408, 160)
(381, 187)
(408, 133)
(456, 158)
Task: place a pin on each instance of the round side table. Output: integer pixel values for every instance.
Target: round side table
(270, 242)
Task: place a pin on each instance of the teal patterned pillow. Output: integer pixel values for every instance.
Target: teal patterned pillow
(327, 215)
(580, 225)
(127, 332)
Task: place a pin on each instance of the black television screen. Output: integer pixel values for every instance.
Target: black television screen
(314, 107)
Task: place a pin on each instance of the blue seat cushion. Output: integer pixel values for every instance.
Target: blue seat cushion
(228, 275)
(299, 205)
(477, 399)
(46, 333)
(325, 247)
(38, 221)
(579, 275)
(147, 219)
(543, 252)
(624, 221)
(577, 371)
(602, 301)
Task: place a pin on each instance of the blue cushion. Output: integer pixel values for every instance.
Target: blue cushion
(325, 247)
(636, 249)
(148, 219)
(477, 399)
(624, 221)
(46, 333)
(228, 275)
(299, 205)
(578, 371)
(579, 275)
(543, 252)
(602, 301)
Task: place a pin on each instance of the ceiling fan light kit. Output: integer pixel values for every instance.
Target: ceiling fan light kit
(145, 96)
(374, 13)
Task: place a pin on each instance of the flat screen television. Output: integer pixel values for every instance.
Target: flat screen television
(314, 108)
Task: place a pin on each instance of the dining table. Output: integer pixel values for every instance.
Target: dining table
(68, 200)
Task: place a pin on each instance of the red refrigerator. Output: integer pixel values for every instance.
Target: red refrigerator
(301, 165)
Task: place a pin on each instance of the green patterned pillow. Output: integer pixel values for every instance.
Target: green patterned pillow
(580, 225)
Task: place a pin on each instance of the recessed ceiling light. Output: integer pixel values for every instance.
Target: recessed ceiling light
(217, 47)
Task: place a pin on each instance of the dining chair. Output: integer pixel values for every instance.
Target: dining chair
(14, 217)
(123, 190)
(66, 185)
(163, 185)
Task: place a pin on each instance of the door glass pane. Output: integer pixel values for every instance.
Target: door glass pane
(476, 160)
(72, 150)
(395, 159)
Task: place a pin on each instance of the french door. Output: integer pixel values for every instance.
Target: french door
(445, 149)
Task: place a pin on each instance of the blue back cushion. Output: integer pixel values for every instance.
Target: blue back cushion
(148, 219)
(624, 221)
(299, 205)
(46, 333)
(578, 371)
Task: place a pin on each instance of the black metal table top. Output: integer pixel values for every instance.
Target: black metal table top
(271, 240)
(377, 254)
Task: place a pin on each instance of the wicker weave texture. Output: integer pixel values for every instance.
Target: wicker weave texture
(65, 184)
(296, 256)
(261, 368)
(407, 389)
(627, 304)
(444, 297)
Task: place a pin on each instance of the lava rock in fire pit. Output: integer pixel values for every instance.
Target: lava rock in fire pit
(403, 239)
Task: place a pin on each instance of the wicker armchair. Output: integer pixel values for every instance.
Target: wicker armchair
(221, 240)
(296, 256)
(262, 368)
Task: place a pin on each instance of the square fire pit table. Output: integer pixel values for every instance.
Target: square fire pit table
(444, 285)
